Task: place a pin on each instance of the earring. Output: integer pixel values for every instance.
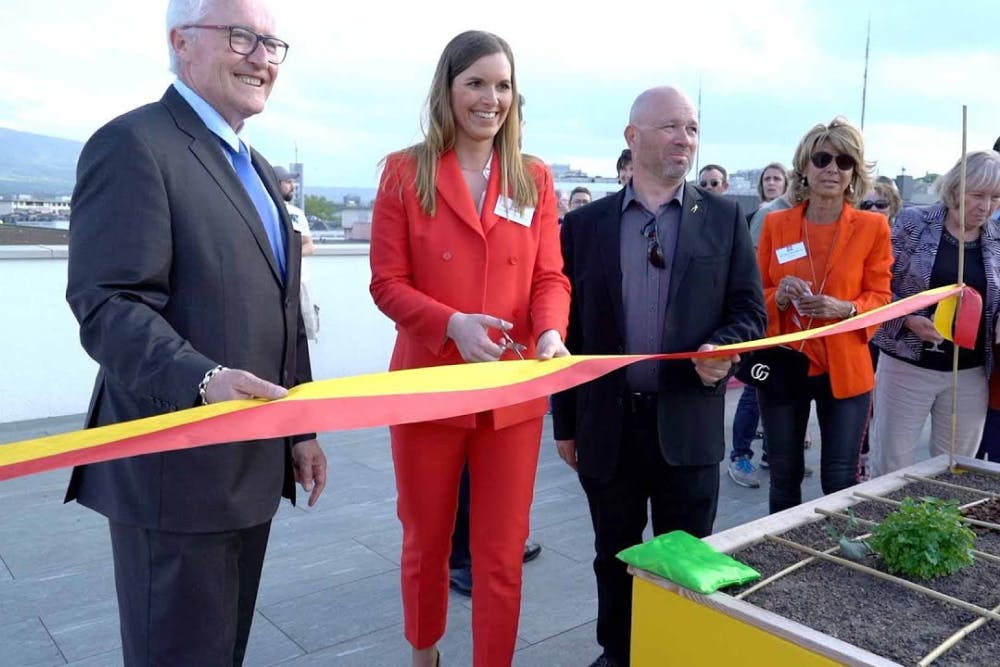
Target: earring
(850, 188)
(805, 182)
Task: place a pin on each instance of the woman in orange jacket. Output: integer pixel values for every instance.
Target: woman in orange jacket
(823, 261)
(465, 259)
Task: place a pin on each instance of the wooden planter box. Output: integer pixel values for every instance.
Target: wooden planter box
(672, 625)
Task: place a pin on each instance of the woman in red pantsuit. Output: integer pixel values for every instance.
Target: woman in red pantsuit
(465, 250)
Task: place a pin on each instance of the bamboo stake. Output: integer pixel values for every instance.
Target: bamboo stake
(954, 639)
(950, 485)
(961, 281)
(780, 574)
(941, 597)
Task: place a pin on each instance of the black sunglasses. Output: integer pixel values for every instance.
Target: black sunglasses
(821, 159)
(869, 204)
(653, 253)
(710, 184)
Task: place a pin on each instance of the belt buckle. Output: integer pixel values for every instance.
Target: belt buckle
(640, 400)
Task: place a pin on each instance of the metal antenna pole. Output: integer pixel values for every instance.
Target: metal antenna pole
(864, 85)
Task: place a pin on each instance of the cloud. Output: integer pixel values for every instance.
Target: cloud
(357, 74)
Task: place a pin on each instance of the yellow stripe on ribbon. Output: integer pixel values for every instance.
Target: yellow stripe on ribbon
(378, 399)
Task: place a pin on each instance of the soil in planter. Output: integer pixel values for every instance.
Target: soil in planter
(869, 612)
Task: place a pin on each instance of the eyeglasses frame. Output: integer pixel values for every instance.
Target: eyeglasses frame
(259, 39)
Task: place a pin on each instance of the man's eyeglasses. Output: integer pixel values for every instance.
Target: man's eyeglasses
(653, 252)
(869, 204)
(244, 41)
(710, 184)
(821, 159)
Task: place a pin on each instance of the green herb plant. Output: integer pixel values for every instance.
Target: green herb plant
(924, 538)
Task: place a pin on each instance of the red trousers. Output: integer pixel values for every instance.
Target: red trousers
(428, 460)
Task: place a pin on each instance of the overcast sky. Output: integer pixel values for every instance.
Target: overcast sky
(353, 86)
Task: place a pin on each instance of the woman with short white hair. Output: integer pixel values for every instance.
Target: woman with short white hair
(915, 368)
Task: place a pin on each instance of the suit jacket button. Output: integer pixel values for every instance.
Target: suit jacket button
(619, 401)
(446, 255)
(512, 260)
(621, 350)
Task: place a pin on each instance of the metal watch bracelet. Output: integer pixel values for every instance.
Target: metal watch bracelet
(203, 385)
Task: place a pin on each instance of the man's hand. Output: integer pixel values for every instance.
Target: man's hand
(712, 370)
(567, 452)
(231, 383)
(924, 328)
(550, 345)
(469, 333)
(310, 468)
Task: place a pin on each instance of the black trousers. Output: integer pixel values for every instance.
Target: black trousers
(186, 599)
(842, 426)
(680, 498)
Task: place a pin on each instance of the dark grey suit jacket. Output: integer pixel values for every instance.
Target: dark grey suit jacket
(715, 297)
(171, 273)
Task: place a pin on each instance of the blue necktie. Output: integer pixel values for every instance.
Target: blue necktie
(262, 202)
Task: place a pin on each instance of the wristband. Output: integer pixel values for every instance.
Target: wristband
(203, 385)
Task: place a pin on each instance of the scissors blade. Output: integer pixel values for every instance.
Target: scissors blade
(511, 345)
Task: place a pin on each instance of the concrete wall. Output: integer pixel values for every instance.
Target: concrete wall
(45, 372)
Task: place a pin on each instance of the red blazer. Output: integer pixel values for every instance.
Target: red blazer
(426, 268)
(859, 270)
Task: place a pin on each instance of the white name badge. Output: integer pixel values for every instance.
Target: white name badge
(790, 252)
(506, 208)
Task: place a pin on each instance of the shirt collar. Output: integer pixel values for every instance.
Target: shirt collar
(630, 196)
(213, 119)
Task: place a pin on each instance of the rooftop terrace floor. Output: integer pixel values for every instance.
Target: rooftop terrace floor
(330, 588)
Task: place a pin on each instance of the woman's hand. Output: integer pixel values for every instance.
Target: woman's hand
(790, 288)
(825, 307)
(469, 332)
(924, 328)
(550, 344)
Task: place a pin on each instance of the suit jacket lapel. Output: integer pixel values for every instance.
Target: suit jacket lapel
(609, 241)
(489, 218)
(209, 151)
(454, 191)
(689, 237)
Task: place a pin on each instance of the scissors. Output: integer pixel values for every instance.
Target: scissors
(509, 344)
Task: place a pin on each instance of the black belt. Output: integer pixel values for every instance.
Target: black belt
(641, 401)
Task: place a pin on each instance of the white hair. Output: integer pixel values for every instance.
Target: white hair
(182, 12)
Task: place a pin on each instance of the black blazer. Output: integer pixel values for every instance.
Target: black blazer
(171, 273)
(715, 297)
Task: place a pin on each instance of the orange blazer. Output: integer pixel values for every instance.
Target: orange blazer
(426, 268)
(859, 270)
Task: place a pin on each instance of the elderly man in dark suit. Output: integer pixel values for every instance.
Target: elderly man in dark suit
(662, 267)
(184, 276)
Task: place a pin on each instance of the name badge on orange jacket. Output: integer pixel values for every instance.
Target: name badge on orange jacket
(506, 208)
(790, 252)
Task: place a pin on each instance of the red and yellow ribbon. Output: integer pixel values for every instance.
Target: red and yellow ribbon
(396, 397)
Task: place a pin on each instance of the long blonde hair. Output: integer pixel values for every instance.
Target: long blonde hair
(439, 126)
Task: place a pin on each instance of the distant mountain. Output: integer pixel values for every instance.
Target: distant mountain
(36, 164)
